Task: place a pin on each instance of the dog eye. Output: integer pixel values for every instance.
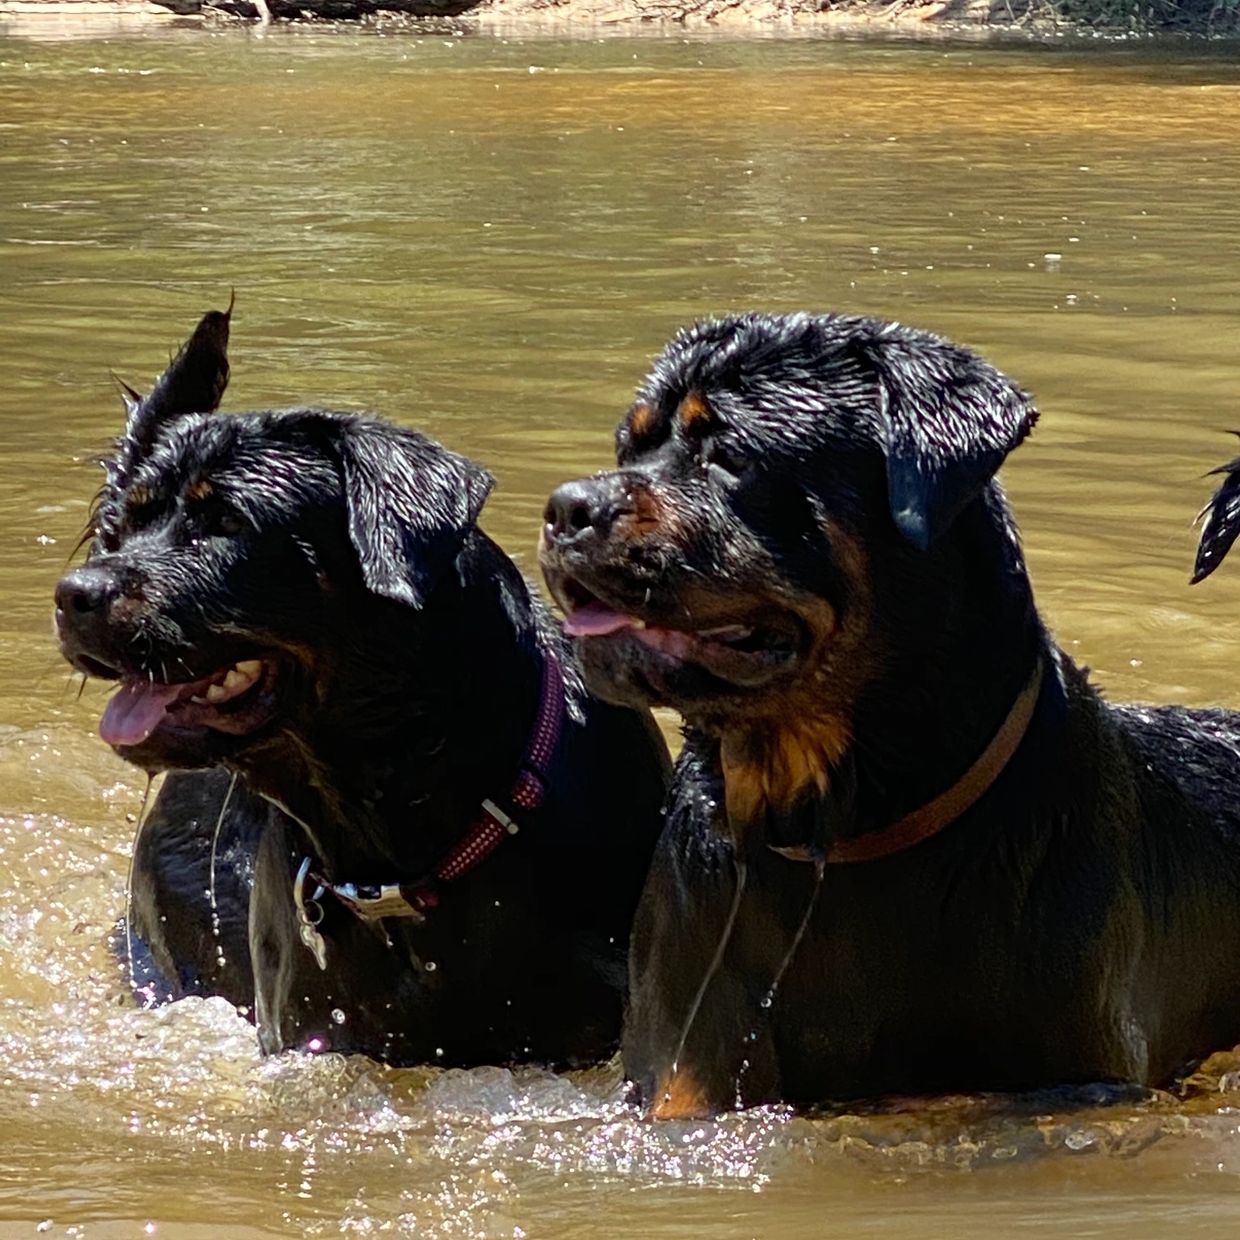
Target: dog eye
(228, 523)
(223, 521)
(140, 514)
(726, 459)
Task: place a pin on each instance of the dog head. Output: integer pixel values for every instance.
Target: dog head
(788, 518)
(237, 562)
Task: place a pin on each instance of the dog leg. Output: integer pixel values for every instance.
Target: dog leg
(695, 1041)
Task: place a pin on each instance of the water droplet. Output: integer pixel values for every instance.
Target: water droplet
(431, 966)
(766, 1002)
(338, 1016)
(439, 1052)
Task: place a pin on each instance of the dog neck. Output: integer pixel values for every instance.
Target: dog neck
(491, 826)
(769, 769)
(383, 787)
(929, 819)
(801, 778)
(922, 740)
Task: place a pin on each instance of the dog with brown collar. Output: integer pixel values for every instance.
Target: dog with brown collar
(908, 848)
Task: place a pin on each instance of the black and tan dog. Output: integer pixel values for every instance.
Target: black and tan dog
(908, 847)
(447, 836)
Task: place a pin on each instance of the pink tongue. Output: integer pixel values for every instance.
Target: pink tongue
(135, 710)
(595, 620)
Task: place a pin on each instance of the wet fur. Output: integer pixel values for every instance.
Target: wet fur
(410, 652)
(1081, 921)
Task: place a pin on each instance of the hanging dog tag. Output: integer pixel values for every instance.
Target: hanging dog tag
(309, 914)
(315, 942)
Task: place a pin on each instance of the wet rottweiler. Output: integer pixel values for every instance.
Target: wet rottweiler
(908, 847)
(405, 829)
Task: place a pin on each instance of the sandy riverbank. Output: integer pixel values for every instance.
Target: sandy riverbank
(61, 18)
(759, 15)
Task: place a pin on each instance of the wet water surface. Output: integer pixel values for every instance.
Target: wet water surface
(488, 240)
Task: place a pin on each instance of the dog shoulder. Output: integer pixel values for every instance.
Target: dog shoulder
(1196, 750)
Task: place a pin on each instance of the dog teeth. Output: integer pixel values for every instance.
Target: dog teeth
(728, 633)
(637, 624)
(236, 681)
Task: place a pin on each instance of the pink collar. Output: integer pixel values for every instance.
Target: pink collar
(490, 828)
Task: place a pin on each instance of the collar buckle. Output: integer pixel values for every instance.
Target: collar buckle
(371, 902)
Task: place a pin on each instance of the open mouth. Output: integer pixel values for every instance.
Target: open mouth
(745, 650)
(236, 699)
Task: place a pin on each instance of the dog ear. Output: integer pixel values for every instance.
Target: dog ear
(949, 419)
(1221, 522)
(194, 382)
(411, 505)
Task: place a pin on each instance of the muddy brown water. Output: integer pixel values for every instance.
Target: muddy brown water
(488, 239)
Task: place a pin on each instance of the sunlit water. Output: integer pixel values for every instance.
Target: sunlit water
(488, 239)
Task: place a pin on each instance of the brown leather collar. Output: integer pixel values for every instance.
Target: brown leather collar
(932, 817)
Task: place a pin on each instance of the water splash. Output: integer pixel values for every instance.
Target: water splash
(820, 869)
(133, 860)
(220, 958)
(711, 969)
(768, 1000)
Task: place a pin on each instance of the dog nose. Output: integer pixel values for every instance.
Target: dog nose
(85, 590)
(572, 509)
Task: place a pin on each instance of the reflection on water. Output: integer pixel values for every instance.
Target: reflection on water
(488, 239)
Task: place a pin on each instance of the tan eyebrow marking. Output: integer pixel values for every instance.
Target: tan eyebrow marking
(694, 411)
(641, 419)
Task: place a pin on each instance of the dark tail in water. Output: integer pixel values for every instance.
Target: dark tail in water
(1220, 522)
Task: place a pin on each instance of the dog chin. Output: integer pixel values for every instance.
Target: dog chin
(623, 670)
(184, 746)
(172, 748)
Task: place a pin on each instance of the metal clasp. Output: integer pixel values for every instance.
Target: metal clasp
(498, 814)
(372, 903)
(310, 915)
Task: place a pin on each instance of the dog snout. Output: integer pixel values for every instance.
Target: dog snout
(587, 504)
(88, 601)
